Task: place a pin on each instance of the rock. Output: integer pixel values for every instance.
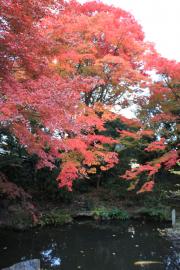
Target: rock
(83, 214)
(25, 265)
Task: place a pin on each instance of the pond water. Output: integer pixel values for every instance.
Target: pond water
(113, 246)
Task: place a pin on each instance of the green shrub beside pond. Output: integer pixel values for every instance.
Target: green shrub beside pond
(113, 213)
(55, 217)
(159, 212)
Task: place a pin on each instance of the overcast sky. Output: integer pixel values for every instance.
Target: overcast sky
(160, 20)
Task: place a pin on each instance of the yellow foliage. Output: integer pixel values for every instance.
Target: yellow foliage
(92, 170)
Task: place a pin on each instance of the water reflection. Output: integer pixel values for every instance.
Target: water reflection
(110, 246)
(172, 261)
(49, 258)
(131, 230)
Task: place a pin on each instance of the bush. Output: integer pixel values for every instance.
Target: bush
(55, 217)
(113, 213)
(158, 212)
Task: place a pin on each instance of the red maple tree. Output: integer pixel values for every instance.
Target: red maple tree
(64, 67)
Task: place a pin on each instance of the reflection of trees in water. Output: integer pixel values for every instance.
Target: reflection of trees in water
(112, 252)
(172, 261)
(103, 249)
(112, 247)
(103, 252)
(48, 256)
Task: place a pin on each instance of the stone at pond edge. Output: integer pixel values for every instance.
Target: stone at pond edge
(25, 265)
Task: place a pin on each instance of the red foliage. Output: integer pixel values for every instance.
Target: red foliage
(62, 64)
(69, 172)
(44, 85)
(134, 173)
(130, 122)
(94, 139)
(146, 133)
(164, 117)
(147, 187)
(11, 190)
(156, 146)
(136, 135)
(169, 159)
(125, 133)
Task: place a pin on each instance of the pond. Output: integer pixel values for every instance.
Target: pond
(90, 246)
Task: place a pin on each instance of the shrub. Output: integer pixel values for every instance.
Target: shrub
(113, 213)
(55, 217)
(158, 212)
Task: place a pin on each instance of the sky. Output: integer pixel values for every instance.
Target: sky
(160, 20)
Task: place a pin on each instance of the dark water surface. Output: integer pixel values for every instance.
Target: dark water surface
(115, 246)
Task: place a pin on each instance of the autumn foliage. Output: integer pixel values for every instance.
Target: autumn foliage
(64, 68)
